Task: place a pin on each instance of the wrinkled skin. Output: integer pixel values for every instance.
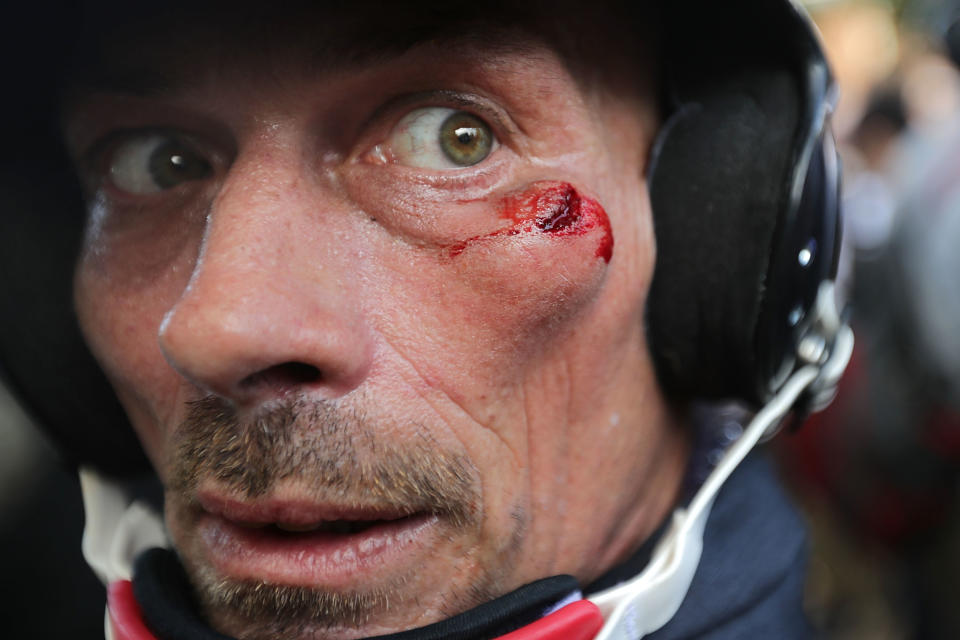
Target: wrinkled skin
(307, 272)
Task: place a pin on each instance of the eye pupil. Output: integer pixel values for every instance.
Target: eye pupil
(465, 139)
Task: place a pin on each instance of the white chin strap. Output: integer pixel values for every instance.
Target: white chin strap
(117, 528)
(116, 531)
(640, 606)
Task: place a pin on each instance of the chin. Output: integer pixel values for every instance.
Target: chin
(252, 610)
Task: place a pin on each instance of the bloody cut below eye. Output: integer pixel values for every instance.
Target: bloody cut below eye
(554, 208)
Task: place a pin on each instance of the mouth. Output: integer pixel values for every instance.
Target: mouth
(339, 527)
(313, 545)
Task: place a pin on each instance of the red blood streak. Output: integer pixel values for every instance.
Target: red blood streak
(550, 207)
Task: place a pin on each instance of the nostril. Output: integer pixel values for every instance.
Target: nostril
(283, 376)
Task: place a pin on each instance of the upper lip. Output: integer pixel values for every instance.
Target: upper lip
(293, 511)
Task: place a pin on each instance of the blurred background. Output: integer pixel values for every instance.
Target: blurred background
(876, 474)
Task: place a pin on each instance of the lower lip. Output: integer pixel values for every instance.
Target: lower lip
(317, 559)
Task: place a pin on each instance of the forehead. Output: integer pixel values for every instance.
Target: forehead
(137, 50)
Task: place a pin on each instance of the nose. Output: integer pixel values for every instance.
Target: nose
(269, 308)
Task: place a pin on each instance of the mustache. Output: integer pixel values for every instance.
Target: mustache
(331, 448)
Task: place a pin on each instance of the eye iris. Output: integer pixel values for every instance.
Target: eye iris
(465, 139)
(172, 163)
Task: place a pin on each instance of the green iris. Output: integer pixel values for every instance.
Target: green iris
(465, 139)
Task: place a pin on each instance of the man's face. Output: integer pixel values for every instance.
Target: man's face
(377, 320)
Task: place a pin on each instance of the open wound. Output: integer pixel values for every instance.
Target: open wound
(554, 208)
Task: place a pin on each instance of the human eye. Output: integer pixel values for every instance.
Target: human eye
(439, 138)
(151, 162)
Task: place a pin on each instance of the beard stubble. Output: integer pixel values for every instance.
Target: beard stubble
(337, 453)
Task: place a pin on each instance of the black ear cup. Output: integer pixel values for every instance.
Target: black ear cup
(744, 183)
(719, 179)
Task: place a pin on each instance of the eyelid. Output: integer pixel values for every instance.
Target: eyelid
(465, 102)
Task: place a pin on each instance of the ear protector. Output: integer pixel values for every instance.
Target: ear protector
(744, 183)
(743, 180)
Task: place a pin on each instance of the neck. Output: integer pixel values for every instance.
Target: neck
(656, 492)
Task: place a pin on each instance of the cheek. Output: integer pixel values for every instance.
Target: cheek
(119, 322)
(515, 290)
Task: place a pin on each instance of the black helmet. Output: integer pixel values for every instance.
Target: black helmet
(744, 243)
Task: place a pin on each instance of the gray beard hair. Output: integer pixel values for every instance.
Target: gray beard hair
(334, 451)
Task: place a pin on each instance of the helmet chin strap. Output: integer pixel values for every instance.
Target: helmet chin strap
(116, 531)
(118, 528)
(642, 605)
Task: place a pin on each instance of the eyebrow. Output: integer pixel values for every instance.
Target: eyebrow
(147, 79)
(143, 82)
(333, 45)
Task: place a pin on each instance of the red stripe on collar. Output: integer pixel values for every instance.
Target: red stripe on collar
(580, 620)
(126, 621)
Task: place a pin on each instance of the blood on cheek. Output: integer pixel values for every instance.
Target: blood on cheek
(556, 209)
